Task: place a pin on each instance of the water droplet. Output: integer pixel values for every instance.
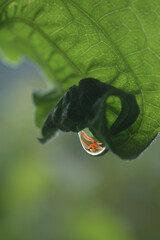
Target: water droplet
(90, 144)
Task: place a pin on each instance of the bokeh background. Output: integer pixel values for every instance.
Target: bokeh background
(58, 192)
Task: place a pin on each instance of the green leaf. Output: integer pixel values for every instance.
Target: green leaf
(116, 42)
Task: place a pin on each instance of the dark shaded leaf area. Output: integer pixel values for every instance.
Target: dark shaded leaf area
(85, 106)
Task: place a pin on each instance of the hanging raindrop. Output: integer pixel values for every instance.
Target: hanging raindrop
(90, 144)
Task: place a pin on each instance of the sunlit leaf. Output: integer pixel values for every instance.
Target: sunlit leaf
(116, 42)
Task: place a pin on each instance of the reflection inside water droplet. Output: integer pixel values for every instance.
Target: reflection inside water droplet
(90, 144)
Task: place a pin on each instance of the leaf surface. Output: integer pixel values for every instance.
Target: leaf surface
(116, 42)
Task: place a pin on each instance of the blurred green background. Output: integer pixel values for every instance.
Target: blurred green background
(58, 192)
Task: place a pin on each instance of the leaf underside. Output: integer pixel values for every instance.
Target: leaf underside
(116, 42)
